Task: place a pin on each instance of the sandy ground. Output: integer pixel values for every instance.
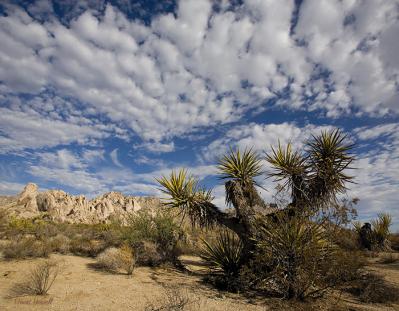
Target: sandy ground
(80, 287)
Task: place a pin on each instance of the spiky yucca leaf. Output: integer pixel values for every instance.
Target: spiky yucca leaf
(381, 228)
(224, 254)
(242, 166)
(286, 163)
(294, 248)
(185, 194)
(329, 156)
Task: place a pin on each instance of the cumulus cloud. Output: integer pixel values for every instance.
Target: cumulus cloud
(180, 73)
(261, 137)
(377, 176)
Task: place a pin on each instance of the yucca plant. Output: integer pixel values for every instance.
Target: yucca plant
(314, 178)
(294, 248)
(240, 166)
(224, 254)
(381, 229)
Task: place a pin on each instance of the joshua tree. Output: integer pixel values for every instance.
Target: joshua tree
(314, 178)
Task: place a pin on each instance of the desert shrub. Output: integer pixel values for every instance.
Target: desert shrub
(44, 229)
(26, 248)
(147, 254)
(158, 228)
(59, 244)
(82, 246)
(389, 258)
(372, 288)
(113, 259)
(39, 280)
(20, 226)
(375, 236)
(173, 300)
(381, 229)
(296, 259)
(346, 239)
(223, 256)
(3, 220)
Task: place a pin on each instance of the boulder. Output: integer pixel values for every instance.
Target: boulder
(27, 198)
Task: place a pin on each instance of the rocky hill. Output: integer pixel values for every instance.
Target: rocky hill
(63, 207)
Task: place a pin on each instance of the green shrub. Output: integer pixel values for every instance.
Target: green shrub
(224, 254)
(375, 236)
(295, 258)
(157, 227)
(26, 248)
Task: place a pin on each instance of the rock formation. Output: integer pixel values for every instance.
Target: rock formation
(63, 207)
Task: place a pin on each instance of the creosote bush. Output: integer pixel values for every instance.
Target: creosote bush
(147, 229)
(38, 281)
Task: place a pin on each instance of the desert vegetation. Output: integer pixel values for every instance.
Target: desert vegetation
(38, 281)
(306, 246)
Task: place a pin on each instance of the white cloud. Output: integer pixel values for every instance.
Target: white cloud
(10, 188)
(114, 157)
(261, 137)
(201, 68)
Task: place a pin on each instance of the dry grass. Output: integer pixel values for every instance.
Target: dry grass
(174, 299)
(60, 244)
(83, 246)
(39, 280)
(26, 248)
(114, 259)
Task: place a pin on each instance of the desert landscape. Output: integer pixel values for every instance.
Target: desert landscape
(199, 155)
(116, 252)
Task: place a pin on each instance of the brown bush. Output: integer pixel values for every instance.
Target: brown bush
(174, 299)
(114, 259)
(147, 254)
(60, 244)
(82, 246)
(26, 248)
(347, 239)
(39, 280)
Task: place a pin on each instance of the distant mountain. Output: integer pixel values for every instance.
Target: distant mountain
(60, 206)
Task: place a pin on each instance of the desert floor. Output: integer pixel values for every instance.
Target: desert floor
(80, 287)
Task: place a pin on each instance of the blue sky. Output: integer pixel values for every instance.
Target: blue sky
(107, 95)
